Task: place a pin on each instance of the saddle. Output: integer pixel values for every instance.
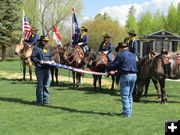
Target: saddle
(80, 52)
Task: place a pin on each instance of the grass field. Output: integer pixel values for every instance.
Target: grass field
(79, 111)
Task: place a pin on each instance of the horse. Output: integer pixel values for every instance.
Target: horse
(155, 68)
(140, 64)
(97, 62)
(23, 50)
(74, 57)
(56, 56)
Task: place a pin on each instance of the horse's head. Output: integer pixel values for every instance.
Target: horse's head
(19, 46)
(66, 51)
(89, 57)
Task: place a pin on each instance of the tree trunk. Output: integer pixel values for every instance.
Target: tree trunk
(3, 53)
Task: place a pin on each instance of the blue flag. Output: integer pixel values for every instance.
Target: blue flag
(75, 28)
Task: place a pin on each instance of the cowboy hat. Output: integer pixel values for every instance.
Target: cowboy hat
(43, 38)
(34, 29)
(120, 45)
(106, 36)
(132, 32)
(83, 29)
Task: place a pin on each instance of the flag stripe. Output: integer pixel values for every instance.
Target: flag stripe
(26, 27)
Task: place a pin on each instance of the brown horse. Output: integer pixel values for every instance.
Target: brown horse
(155, 68)
(72, 57)
(23, 50)
(140, 64)
(98, 62)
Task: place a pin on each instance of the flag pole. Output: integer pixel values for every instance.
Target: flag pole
(23, 23)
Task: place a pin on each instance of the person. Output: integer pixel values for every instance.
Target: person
(106, 47)
(125, 64)
(83, 39)
(33, 37)
(132, 43)
(39, 56)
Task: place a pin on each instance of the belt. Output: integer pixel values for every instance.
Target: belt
(127, 73)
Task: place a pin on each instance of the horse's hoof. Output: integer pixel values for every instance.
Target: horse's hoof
(145, 96)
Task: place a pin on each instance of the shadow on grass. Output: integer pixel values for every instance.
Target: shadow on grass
(146, 101)
(17, 81)
(72, 110)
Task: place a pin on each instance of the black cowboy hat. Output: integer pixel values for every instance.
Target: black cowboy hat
(132, 32)
(43, 38)
(34, 29)
(84, 29)
(120, 45)
(106, 36)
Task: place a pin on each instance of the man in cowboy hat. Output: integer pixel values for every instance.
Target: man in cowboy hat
(83, 39)
(33, 37)
(132, 43)
(39, 56)
(106, 47)
(125, 64)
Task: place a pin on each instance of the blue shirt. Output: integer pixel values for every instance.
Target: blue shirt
(38, 55)
(109, 47)
(124, 62)
(83, 40)
(33, 40)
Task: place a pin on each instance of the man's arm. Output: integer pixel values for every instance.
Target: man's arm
(114, 65)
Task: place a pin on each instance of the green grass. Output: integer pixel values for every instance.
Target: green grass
(79, 111)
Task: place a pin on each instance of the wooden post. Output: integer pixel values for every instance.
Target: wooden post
(170, 45)
(154, 45)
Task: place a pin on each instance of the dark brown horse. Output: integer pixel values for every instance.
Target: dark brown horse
(140, 64)
(96, 62)
(72, 57)
(23, 50)
(155, 68)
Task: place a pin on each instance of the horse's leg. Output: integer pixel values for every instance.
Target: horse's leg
(74, 75)
(77, 79)
(163, 92)
(52, 75)
(146, 87)
(94, 81)
(156, 87)
(56, 75)
(24, 70)
(113, 79)
(30, 70)
(100, 77)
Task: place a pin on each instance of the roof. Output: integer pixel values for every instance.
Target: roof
(162, 34)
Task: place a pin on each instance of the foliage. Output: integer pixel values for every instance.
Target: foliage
(9, 24)
(101, 25)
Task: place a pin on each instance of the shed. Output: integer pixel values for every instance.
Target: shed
(158, 40)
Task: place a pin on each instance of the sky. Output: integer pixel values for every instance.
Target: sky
(118, 9)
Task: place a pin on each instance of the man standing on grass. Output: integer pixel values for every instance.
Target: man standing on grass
(39, 56)
(125, 64)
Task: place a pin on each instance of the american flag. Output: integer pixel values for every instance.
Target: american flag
(26, 27)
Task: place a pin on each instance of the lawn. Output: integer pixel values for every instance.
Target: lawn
(79, 111)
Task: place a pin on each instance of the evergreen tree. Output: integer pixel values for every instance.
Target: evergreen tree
(10, 24)
(178, 19)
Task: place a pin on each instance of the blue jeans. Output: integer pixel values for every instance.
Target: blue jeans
(109, 57)
(127, 83)
(43, 82)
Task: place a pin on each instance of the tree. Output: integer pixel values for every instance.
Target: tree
(158, 22)
(10, 26)
(131, 21)
(178, 19)
(145, 24)
(99, 26)
(172, 19)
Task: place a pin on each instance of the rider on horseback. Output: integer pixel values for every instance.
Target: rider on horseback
(106, 47)
(33, 38)
(83, 39)
(132, 43)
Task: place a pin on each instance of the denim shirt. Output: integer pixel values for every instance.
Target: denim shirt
(38, 55)
(124, 62)
(33, 40)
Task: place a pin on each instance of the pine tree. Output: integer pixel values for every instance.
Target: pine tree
(10, 24)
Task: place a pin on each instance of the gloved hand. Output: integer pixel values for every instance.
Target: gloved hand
(80, 43)
(105, 52)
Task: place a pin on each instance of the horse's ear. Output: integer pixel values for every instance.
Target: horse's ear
(89, 49)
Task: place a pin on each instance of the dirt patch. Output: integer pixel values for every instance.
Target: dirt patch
(61, 78)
